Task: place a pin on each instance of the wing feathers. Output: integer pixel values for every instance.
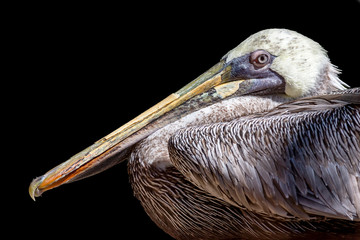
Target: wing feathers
(299, 160)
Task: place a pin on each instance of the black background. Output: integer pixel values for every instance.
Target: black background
(78, 72)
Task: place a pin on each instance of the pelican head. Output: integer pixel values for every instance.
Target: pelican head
(274, 61)
(286, 56)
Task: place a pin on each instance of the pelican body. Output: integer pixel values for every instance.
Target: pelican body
(265, 143)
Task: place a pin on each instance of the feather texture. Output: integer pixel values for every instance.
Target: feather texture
(300, 160)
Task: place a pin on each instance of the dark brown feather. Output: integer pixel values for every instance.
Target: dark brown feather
(290, 191)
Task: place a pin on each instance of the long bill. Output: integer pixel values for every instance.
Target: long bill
(211, 86)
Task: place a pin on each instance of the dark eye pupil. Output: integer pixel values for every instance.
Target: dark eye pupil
(262, 58)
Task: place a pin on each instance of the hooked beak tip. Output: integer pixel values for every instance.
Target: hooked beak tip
(34, 190)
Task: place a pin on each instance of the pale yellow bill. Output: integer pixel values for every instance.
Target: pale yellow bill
(125, 136)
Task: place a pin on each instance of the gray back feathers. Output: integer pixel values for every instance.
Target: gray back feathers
(300, 160)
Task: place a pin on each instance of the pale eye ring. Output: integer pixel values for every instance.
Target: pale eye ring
(260, 58)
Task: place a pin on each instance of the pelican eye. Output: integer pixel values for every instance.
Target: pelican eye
(260, 58)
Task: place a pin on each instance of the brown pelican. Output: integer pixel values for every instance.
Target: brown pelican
(265, 143)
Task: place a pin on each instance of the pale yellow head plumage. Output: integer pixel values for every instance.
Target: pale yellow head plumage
(301, 61)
